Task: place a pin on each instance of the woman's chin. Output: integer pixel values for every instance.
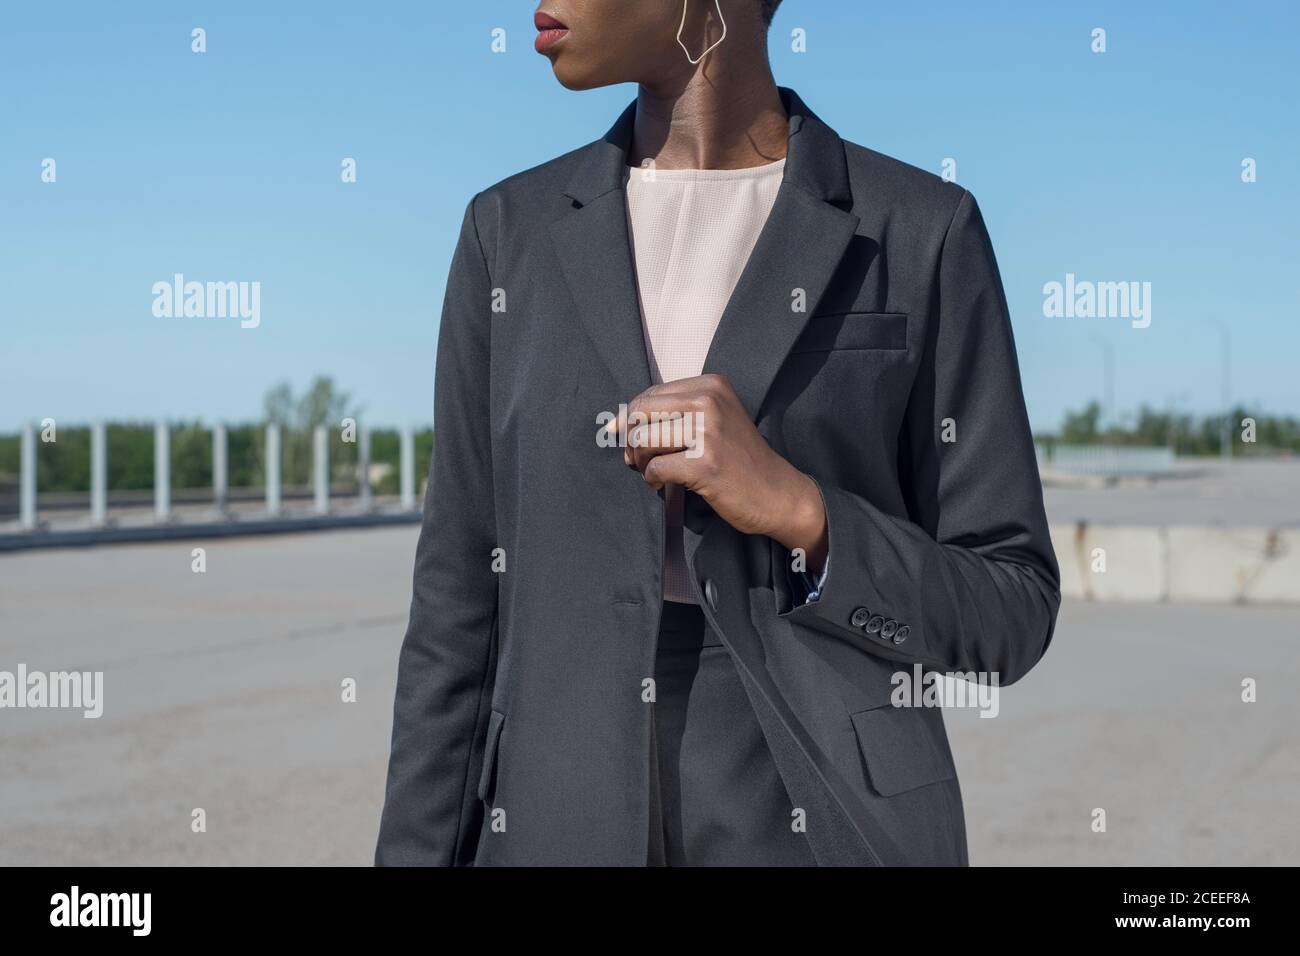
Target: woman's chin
(578, 77)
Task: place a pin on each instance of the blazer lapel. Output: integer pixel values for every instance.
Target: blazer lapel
(799, 249)
(797, 253)
(595, 255)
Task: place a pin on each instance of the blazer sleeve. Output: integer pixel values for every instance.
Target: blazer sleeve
(444, 679)
(968, 579)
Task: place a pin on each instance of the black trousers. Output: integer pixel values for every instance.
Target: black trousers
(716, 797)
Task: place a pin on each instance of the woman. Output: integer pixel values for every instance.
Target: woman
(634, 644)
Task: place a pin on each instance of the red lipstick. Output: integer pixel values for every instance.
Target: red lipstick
(550, 31)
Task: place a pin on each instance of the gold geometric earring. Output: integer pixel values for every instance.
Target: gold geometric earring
(696, 60)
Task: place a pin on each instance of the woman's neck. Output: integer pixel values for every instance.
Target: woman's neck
(728, 116)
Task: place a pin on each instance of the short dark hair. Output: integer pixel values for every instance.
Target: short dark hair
(769, 10)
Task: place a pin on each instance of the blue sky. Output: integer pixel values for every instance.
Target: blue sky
(225, 166)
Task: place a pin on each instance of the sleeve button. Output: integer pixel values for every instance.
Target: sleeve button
(874, 625)
(901, 634)
(860, 617)
(889, 629)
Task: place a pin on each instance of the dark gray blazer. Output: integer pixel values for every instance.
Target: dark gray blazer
(521, 730)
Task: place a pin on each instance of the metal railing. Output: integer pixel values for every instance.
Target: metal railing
(99, 512)
(1107, 460)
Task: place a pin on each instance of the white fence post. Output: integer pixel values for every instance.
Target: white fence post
(220, 473)
(321, 468)
(273, 469)
(98, 474)
(27, 480)
(162, 472)
(363, 465)
(408, 469)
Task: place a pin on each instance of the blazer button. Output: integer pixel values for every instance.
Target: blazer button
(874, 625)
(711, 593)
(889, 629)
(901, 636)
(860, 617)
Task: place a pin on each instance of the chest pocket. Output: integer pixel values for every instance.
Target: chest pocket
(846, 331)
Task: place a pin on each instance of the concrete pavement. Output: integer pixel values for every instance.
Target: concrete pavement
(223, 691)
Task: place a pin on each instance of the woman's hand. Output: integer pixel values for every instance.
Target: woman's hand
(695, 432)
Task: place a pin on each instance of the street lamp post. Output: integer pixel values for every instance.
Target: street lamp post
(1225, 384)
(1108, 379)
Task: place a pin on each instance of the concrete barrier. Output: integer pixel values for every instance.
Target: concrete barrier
(1277, 580)
(1123, 564)
(1216, 565)
(1067, 550)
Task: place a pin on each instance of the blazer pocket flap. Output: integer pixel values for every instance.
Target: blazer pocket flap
(495, 722)
(900, 749)
(853, 330)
